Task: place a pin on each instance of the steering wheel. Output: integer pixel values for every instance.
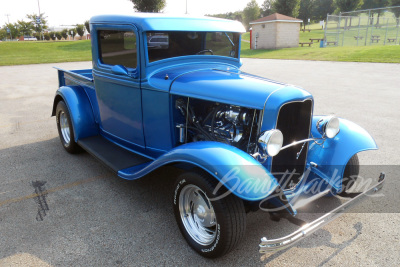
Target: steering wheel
(205, 51)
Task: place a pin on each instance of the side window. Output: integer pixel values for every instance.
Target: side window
(118, 48)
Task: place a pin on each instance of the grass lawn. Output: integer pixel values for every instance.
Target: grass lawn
(18, 53)
(371, 53)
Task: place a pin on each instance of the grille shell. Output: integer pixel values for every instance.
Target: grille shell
(294, 121)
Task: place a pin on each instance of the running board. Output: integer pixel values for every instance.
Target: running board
(112, 155)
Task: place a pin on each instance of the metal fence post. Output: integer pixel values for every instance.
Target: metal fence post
(366, 31)
(372, 30)
(326, 27)
(387, 26)
(344, 30)
(338, 29)
(358, 31)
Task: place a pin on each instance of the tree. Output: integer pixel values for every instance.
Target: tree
(396, 11)
(80, 29)
(64, 34)
(25, 28)
(87, 26)
(3, 33)
(306, 10)
(251, 12)
(267, 8)
(72, 32)
(38, 27)
(287, 7)
(58, 35)
(148, 5)
(381, 3)
(323, 8)
(348, 5)
(14, 30)
(237, 15)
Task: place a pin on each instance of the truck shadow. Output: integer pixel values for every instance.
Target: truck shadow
(130, 219)
(324, 239)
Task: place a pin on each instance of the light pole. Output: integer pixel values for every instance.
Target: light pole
(40, 21)
(186, 7)
(8, 29)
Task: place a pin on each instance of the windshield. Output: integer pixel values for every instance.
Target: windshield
(162, 45)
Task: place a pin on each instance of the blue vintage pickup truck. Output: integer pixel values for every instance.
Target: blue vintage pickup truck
(169, 91)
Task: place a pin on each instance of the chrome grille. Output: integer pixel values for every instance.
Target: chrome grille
(294, 121)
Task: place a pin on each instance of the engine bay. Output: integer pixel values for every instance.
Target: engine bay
(202, 120)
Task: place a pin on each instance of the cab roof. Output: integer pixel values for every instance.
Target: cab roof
(164, 22)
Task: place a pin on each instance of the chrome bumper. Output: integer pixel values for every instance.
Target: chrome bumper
(289, 240)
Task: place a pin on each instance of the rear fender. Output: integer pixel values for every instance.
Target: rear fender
(240, 173)
(333, 155)
(80, 110)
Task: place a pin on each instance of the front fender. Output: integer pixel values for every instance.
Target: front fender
(79, 109)
(236, 170)
(334, 154)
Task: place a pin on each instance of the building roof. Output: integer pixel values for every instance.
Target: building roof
(276, 17)
(164, 22)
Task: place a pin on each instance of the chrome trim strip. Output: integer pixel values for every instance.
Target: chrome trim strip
(289, 240)
(299, 142)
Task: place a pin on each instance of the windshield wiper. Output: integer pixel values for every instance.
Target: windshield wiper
(229, 39)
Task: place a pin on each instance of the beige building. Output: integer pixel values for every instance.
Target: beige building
(275, 31)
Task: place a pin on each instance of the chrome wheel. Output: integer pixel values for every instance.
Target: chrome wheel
(197, 215)
(64, 127)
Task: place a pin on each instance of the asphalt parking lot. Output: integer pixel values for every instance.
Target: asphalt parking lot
(90, 217)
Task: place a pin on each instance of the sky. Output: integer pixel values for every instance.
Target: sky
(71, 12)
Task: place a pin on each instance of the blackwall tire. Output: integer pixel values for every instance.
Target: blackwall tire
(211, 228)
(350, 174)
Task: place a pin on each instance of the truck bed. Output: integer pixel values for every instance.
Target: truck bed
(75, 77)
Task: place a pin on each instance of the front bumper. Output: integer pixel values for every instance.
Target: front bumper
(289, 240)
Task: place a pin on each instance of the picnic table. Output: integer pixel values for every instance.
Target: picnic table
(304, 30)
(375, 36)
(375, 39)
(316, 39)
(392, 40)
(358, 37)
(331, 42)
(305, 43)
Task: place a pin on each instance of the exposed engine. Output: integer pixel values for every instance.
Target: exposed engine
(208, 121)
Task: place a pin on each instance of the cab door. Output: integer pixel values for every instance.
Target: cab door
(117, 82)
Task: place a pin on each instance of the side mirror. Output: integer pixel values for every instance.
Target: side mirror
(119, 70)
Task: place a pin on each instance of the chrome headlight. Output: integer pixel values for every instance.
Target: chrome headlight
(270, 142)
(328, 127)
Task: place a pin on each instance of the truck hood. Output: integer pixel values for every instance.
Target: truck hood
(234, 87)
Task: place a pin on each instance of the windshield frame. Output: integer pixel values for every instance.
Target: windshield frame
(235, 46)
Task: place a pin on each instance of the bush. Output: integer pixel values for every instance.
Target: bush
(52, 35)
(38, 36)
(46, 36)
(58, 35)
(64, 34)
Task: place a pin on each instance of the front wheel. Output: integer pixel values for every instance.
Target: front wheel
(210, 225)
(350, 174)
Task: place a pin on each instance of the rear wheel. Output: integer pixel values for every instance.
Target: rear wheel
(350, 174)
(211, 226)
(65, 128)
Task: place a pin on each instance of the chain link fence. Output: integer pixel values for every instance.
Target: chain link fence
(378, 26)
